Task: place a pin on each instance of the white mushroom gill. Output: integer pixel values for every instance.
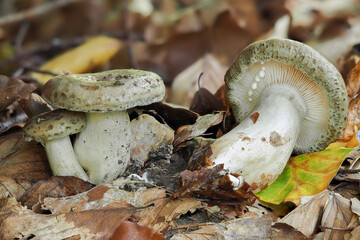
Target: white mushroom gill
(277, 117)
(102, 148)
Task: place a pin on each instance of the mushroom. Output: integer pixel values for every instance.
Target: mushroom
(52, 130)
(103, 147)
(288, 99)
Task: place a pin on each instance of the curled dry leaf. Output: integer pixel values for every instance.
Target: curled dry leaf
(162, 216)
(333, 211)
(352, 81)
(204, 102)
(202, 124)
(187, 82)
(175, 117)
(21, 223)
(12, 89)
(11, 188)
(55, 187)
(21, 160)
(212, 183)
(132, 231)
(33, 105)
(249, 226)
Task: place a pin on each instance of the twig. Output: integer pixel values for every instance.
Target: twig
(35, 11)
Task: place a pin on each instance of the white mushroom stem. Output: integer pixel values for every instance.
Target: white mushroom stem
(258, 149)
(62, 159)
(102, 148)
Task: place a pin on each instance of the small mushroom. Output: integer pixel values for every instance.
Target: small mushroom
(103, 147)
(52, 130)
(288, 99)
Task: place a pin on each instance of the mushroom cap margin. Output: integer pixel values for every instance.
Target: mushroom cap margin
(53, 125)
(311, 64)
(113, 90)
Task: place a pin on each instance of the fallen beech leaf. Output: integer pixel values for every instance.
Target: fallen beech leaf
(213, 183)
(21, 223)
(202, 124)
(333, 211)
(20, 160)
(133, 231)
(175, 117)
(94, 52)
(249, 226)
(11, 188)
(304, 175)
(56, 186)
(187, 82)
(104, 195)
(162, 216)
(204, 102)
(12, 89)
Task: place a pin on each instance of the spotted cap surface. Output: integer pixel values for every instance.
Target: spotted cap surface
(281, 52)
(113, 90)
(52, 125)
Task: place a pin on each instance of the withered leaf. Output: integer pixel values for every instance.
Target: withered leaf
(22, 160)
(175, 117)
(327, 210)
(204, 102)
(12, 89)
(132, 231)
(202, 124)
(212, 183)
(103, 195)
(99, 223)
(56, 187)
(162, 216)
(249, 226)
(11, 188)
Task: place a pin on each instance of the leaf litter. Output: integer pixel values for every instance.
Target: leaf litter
(173, 197)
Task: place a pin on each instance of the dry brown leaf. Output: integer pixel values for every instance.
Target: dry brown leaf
(162, 216)
(352, 81)
(11, 188)
(22, 160)
(103, 195)
(56, 187)
(175, 55)
(175, 117)
(187, 82)
(249, 226)
(133, 231)
(204, 102)
(202, 124)
(228, 39)
(12, 89)
(338, 219)
(212, 183)
(21, 223)
(327, 210)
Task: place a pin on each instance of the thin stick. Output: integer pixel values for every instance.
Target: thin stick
(35, 11)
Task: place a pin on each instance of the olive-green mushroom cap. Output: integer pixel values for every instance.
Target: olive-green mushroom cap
(295, 62)
(53, 125)
(113, 90)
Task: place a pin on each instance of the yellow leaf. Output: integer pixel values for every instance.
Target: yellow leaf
(94, 52)
(305, 175)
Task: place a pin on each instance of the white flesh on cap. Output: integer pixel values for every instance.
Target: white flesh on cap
(62, 159)
(284, 107)
(102, 148)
